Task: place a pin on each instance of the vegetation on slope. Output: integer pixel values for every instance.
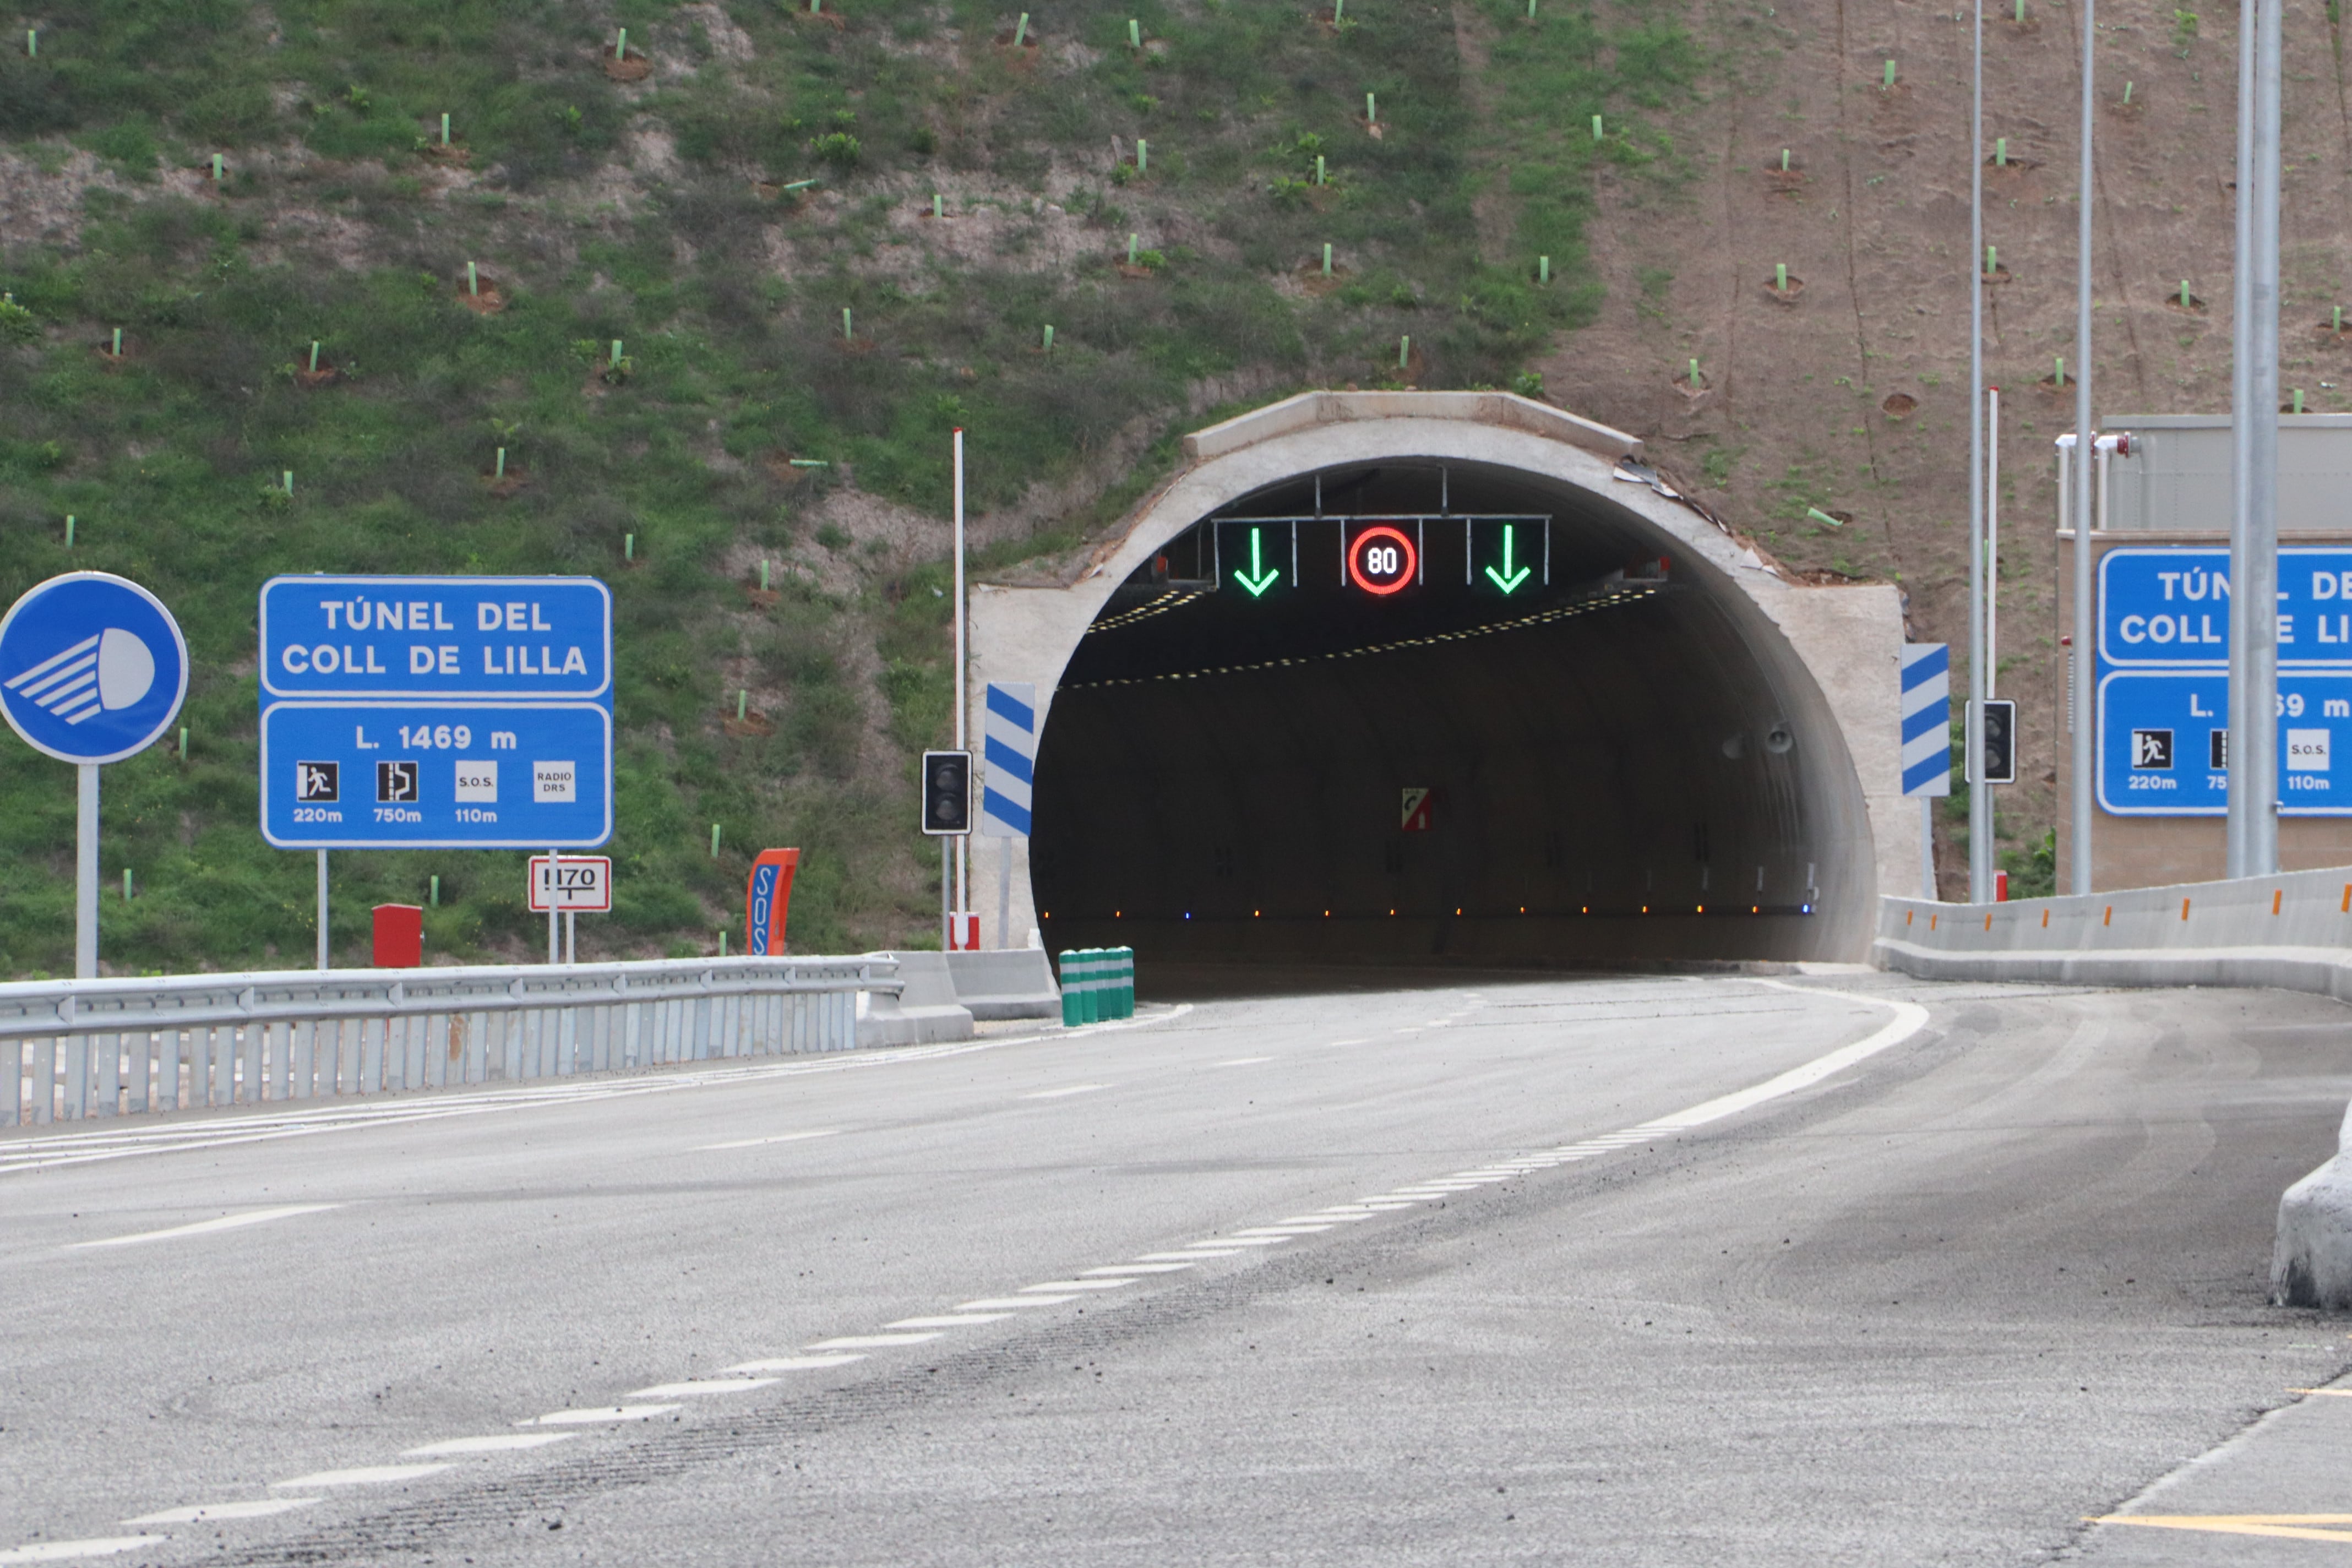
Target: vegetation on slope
(672, 317)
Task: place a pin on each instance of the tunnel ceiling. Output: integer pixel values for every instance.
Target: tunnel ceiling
(1611, 765)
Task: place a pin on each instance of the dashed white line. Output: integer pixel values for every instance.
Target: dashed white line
(363, 1476)
(1244, 1061)
(66, 1551)
(1066, 1093)
(1189, 1254)
(1157, 1268)
(699, 1388)
(792, 1363)
(206, 1226)
(999, 1304)
(203, 1513)
(597, 1415)
(761, 1142)
(496, 1442)
(869, 1341)
(1232, 1241)
(950, 1320)
(1053, 1285)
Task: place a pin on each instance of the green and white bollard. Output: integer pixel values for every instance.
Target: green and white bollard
(1126, 981)
(1073, 972)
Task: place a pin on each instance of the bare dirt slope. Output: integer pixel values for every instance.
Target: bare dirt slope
(1802, 401)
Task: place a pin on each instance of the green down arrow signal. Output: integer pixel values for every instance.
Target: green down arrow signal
(1259, 577)
(1507, 580)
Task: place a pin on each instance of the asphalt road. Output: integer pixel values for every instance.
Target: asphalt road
(1411, 1275)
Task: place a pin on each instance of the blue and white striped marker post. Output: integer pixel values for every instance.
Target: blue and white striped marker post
(1008, 729)
(1926, 710)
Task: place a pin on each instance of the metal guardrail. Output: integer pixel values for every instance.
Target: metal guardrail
(76, 1048)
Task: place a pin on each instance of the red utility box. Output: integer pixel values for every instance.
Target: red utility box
(2001, 887)
(399, 936)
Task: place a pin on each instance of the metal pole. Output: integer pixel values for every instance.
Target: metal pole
(1004, 892)
(86, 874)
(1927, 888)
(2242, 451)
(322, 910)
(1992, 544)
(963, 684)
(1980, 684)
(551, 881)
(571, 936)
(2086, 787)
(947, 895)
(2257, 592)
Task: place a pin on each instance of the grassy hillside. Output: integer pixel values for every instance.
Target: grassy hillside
(742, 209)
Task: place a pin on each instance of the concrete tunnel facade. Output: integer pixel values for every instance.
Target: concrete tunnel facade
(1642, 766)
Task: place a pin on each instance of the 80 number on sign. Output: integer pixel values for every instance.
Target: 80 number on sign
(1382, 559)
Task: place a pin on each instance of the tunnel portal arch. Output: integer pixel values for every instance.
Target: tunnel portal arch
(1671, 751)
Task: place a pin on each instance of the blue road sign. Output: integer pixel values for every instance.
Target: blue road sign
(1925, 711)
(1008, 731)
(423, 775)
(2169, 604)
(2164, 736)
(92, 668)
(436, 712)
(509, 638)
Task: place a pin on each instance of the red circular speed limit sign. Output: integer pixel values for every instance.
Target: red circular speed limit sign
(1381, 559)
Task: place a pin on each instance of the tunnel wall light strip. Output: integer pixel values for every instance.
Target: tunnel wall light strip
(1620, 593)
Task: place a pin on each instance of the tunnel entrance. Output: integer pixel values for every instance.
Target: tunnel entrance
(1388, 677)
(1409, 709)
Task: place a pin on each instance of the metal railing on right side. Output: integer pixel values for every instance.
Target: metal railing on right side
(74, 1048)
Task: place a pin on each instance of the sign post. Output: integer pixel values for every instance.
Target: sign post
(1008, 731)
(436, 713)
(565, 885)
(92, 670)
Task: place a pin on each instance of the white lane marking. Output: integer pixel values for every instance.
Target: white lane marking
(869, 1341)
(1908, 1020)
(1348, 1215)
(1188, 1254)
(1232, 1241)
(597, 1415)
(363, 1476)
(1001, 1303)
(1362, 1042)
(206, 1226)
(496, 1442)
(1066, 1093)
(1383, 1206)
(64, 1551)
(81, 1148)
(792, 1363)
(950, 1320)
(761, 1142)
(1169, 1268)
(1282, 1230)
(700, 1387)
(1052, 1285)
(198, 1513)
(1244, 1061)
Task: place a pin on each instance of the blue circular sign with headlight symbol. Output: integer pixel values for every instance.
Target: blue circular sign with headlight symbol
(92, 668)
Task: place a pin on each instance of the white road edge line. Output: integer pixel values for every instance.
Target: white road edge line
(363, 1476)
(65, 1551)
(203, 1512)
(206, 1226)
(759, 1142)
(496, 1443)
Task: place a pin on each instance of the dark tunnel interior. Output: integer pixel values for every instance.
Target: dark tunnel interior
(1408, 713)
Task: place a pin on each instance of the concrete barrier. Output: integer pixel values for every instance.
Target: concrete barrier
(2311, 1263)
(2287, 933)
(925, 1013)
(1006, 983)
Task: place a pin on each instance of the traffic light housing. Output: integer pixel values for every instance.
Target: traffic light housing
(1999, 765)
(946, 792)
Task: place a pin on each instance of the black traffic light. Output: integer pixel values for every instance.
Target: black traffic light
(947, 791)
(2000, 741)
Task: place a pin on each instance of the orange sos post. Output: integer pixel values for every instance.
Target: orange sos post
(767, 898)
(1382, 559)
